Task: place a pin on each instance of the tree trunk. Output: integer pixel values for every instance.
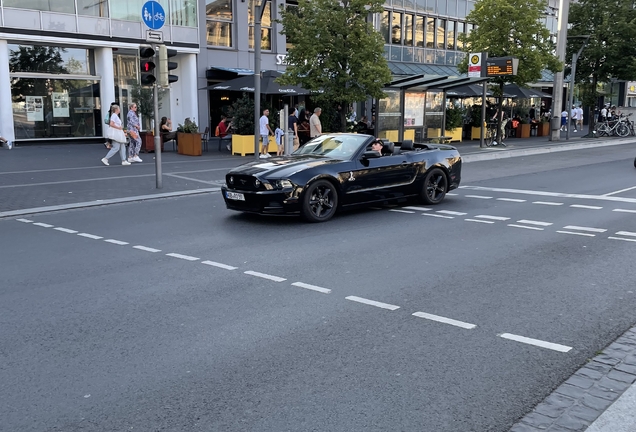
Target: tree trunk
(590, 131)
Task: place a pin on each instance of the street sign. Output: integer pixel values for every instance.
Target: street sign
(501, 66)
(474, 65)
(154, 36)
(153, 15)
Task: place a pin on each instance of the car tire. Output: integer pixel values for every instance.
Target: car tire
(320, 201)
(434, 187)
(634, 162)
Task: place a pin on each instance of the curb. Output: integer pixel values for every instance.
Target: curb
(23, 212)
(504, 154)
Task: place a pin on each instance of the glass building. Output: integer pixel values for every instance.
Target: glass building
(62, 62)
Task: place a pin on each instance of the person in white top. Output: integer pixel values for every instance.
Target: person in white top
(574, 116)
(315, 127)
(564, 120)
(115, 123)
(579, 117)
(603, 115)
(265, 132)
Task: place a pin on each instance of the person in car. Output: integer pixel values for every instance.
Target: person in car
(377, 146)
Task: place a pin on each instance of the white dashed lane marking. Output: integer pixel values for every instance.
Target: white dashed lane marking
(265, 276)
(624, 210)
(581, 206)
(511, 200)
(90, 236)
(219, 265)
(372, 303)
(549, 203)
(479, 221)
(450, 212)
(24, 220)
(478, 196)
(444, 320)
(438, 216)
(626, 233)
(496, 218)
(401, 211)
(147, 249)
(587, 229)
(451, 194)
(417, 208)
(621, 238)
(533, 222)
(117, 242)
(65, 230)
(183, 257)
(525, 227)
(536, 342)
(312, 287)
(44, 225)
(577, 233)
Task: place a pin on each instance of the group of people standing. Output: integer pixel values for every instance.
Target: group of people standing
(117, 135)
(576, 118)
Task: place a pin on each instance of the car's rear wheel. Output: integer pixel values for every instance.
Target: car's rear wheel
(434, 187)
(320, 201)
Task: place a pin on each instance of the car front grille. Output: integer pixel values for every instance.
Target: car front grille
(243, 182)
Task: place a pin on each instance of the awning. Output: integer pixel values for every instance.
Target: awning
(238, 71)
(419, 82)
(406, 69)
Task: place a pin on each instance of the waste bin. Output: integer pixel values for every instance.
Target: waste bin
(555, 123)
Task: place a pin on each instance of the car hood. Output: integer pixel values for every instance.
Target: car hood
(283, 166)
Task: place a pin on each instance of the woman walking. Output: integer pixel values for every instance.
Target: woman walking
(116, 133)
(132, 121)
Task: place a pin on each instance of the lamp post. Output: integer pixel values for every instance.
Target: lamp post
(557, 92)
(257, 15)
(575, 57)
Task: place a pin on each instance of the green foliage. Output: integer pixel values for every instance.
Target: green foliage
(242, 113)
(188, 126)
(335, 50)
(454, 117)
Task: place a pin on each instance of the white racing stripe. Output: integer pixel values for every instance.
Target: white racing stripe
(147, 249)
(536, 342)
(219, 265)
(417, 208)
(547, 203)
(511, 200)
(438, 216)
(480, 221)
(444, 320)
(312, 287)
(24, 220)
(624, 210)
(533, 222)
(621, 238)
(65, 230)
(525, 227)
(478, 196)
(577, 233)
(40, 224)
(117, 242)
(582, 228)
(450, 212)
(626, 233)
(401, 211)
(265, 276)
(183, 257)
(372, 303)
(581, 206)
(90, 236)
(497, 218)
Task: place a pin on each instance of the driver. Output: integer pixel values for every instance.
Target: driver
(377, 145)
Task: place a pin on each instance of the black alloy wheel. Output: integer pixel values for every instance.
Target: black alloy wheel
(435, 186)
(320, 201)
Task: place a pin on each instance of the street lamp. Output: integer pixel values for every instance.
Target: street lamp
(257, 14)
(575, 57)
(557, 92)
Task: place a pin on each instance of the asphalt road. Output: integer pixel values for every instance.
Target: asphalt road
(112, 333)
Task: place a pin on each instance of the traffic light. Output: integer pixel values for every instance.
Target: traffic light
(166, 66)
(147, 66)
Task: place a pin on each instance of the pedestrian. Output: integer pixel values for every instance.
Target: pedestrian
(603, 116)
(533, 113)
(117, 137)
(292, 122)
(8, 144)
(296, 110)
(265, 131)
(564, 121)
(579, 117)
(134, 127)
(574, 117)
(108, 143)
(279, 136)
(315, 127)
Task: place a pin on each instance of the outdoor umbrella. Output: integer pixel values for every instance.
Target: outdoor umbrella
(516, 92)
(268, 85)
(469, 90)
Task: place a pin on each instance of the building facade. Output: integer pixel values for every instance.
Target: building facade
(62, 62)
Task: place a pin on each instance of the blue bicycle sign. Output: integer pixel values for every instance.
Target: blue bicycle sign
(153, 15)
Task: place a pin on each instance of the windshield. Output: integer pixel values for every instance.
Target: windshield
(335, 146)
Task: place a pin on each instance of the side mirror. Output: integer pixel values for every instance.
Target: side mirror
(371, 154)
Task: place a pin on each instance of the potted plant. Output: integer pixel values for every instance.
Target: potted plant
(242, 113)
(145, 109)
(189, 138)
(523, 131)
(454, 122)
(475, 121)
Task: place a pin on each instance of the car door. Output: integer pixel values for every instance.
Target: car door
(381, 178)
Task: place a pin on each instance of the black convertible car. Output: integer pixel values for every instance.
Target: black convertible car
(336, 171)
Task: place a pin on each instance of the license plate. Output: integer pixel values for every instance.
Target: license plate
(235, 196)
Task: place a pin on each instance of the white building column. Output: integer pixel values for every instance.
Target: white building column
(105, 68)
(6, 106)
(184, 101)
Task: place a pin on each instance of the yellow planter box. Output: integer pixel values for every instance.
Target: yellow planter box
(475, 133)
(244, 144)
(455, 134)
(391, 135)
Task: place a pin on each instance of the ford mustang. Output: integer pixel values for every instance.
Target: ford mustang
(337, 171)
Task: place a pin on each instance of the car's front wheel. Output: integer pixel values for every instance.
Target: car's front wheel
(320, 201)
(434, 187)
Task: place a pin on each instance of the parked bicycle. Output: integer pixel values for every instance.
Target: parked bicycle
(618, 127)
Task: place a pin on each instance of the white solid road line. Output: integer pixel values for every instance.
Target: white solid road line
(577, 233)
(66, 230)
(588, 229)
(147, 249)
(624, 210)
(401, 211)
(551, 194)
(621, 238)
(43, 225)
(525, 227)
(90, 236)
(536, 342)
(24, 220)
(480, 221)
(620, 191)
(511, 200)
(581, 206)
(626, 233)
(438, 216)
(497, 218)
(478, 196)
(219, 265)
(117, 242)
(441, 319)
(451, 194)
(417, 208)
(547, 203)
(312, 287)
(372, 303)
(265, 276)
(450, 212)
(532, 222)
(183, 257)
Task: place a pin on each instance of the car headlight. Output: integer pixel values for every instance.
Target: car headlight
(282, 184)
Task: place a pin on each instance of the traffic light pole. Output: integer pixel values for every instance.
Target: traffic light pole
(155, 102)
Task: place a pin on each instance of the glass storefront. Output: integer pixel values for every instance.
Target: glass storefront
(53, 92)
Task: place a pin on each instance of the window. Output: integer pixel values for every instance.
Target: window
(430, 32)
(219, 19)
(408, 30)
(441, 31)
(384, 27)
(460, 30)
(396, 28)
(130, 10)
(419, 31)
(97, 8)
(266, 26)
(450, 35)
(50, 59)
(62, 6)
(183, 12)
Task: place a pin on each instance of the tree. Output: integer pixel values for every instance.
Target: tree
(610, 51)
(335, 50)
(511, 28)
